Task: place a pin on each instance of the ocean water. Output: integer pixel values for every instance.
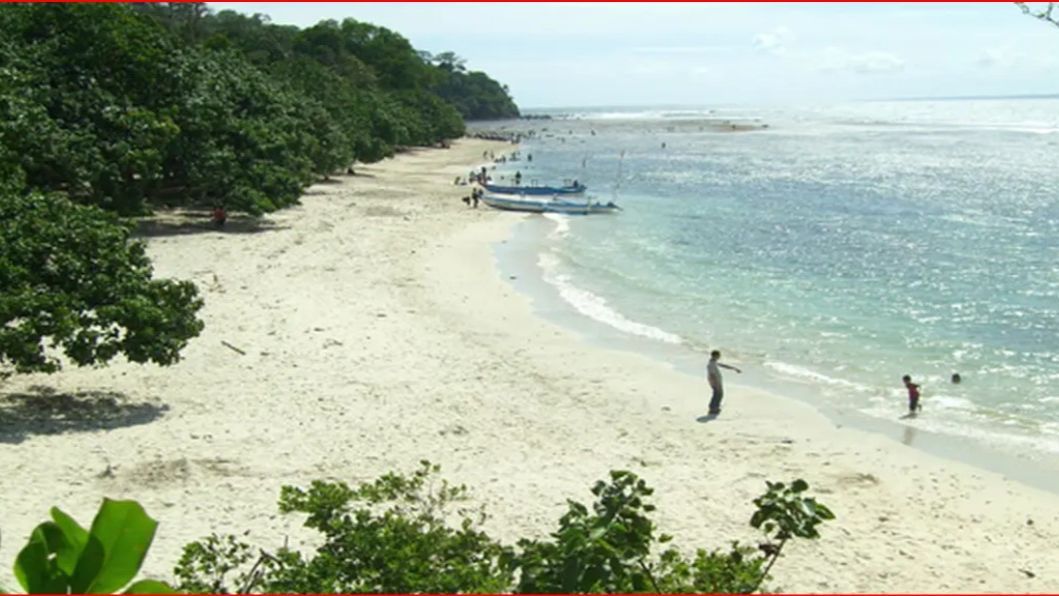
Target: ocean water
(836, 248)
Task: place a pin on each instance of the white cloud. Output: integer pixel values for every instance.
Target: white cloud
(774, 41)
(1000, 57)
(1012, 57)
(680, 49)
(837, 59)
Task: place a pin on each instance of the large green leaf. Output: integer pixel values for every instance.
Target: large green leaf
(33, 568)
(75, 537)
(124, 532)
(150, 586)
(88, 566)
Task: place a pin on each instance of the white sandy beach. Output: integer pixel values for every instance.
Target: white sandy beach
(377, 333)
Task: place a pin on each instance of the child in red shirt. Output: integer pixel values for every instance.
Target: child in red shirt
(913, 395)
(220, 216)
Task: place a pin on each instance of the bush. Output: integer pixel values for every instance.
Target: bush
(389, 535)
(396, 535)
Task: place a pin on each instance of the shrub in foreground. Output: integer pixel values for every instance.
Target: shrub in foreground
(411, 534)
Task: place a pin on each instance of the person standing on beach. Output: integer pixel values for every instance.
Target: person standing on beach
(219, 217)
(913, 395)
(713, 375)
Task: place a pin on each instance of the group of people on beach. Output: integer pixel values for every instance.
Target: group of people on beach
(514, 156)
(713, 376)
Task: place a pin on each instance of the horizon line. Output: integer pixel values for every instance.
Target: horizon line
(737, 104)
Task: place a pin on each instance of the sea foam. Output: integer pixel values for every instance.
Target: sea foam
(805, 374)
(595, 307)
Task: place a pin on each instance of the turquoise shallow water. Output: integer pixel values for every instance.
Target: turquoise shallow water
(840, 247)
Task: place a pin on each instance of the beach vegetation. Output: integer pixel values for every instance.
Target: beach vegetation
(113, 110)
(398, 533)
(474, 94)
(405, 533)
(132, 107)
(416, 533)
(75, 283)
(61, 557)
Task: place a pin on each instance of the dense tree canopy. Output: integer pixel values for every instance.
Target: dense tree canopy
(125, 107)
(473, 93)
(109, 110)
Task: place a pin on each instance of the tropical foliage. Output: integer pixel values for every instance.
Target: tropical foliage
(413, 533)
(61, 557)
(129, 106)
(473, 93)
(72, 279)
(109, 110)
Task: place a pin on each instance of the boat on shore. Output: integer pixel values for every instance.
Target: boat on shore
(553, 204)
(571, 189)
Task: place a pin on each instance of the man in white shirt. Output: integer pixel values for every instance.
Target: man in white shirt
(713, 375)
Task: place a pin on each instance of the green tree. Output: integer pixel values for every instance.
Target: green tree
(73, 280)
(80, 92)
(245, 142)
(449, 61)
(131, 107)
(474, 94)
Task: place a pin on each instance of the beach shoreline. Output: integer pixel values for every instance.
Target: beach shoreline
(518, 257)
(376, 332)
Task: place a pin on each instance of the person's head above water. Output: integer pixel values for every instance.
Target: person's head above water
(956, 377)
(906, 379)
(715, 355)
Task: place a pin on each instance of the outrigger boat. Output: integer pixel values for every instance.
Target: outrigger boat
(571, 189)
(553, 204)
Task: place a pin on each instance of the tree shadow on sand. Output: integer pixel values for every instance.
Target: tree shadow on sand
(199, 222)
(45, 411)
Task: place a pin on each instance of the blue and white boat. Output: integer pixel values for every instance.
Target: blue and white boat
(542, 204)
(571, 189)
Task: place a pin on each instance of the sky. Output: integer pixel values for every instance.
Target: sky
(636, 54)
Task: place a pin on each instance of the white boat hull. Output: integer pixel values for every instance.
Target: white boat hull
(546, 205)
